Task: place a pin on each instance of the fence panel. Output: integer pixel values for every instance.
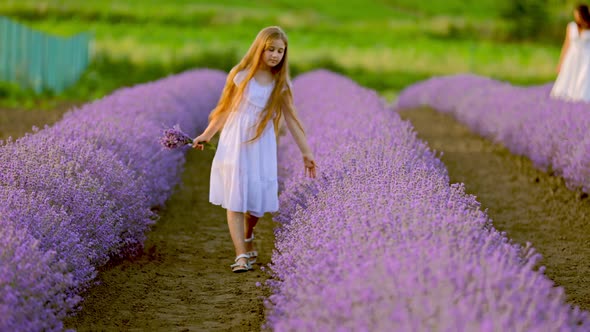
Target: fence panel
(40, 61)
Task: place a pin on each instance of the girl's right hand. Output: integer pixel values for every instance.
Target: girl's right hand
(200, 139)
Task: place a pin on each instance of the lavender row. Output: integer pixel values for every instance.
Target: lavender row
(553, 133)
(381, 241)
(80, 192)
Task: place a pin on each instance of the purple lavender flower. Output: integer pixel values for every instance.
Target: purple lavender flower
(381, 241)
(174, 138)
(80, 192)
(552, 133)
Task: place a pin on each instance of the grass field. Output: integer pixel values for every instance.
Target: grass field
(384, 45)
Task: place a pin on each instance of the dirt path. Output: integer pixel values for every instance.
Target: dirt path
(183, 281)
(15, 122)
(528, 204)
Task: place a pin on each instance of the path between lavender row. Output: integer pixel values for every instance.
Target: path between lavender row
(528, 204)
(183, 281)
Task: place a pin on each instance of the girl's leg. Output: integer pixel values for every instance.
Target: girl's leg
(249, 224)
(235, 221)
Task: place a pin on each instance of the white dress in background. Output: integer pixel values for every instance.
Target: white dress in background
(244, 174)
(573, 81)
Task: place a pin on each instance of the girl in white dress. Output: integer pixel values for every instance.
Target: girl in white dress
(244, 170)
(573, 80)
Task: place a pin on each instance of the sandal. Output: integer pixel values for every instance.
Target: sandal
(252, 255)
(244, 267)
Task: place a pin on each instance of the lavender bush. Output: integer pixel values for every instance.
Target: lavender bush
(552, 133)
(382, 242)
(34, 284)
(80, 192)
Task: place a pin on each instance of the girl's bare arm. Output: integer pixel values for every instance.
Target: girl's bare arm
(212, 129)
(296, 132)
(564, 48)
(291, 119)
(214, 126)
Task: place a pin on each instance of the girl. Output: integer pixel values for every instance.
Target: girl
(244, 170)
(573, 80)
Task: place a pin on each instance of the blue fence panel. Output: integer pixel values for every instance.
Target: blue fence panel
(39, 61)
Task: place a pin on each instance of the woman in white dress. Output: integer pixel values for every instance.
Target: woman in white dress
(573, 80)
(244, 170)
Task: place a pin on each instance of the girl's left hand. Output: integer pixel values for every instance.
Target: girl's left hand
(310, 166)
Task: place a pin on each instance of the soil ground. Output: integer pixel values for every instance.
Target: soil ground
(183, 281)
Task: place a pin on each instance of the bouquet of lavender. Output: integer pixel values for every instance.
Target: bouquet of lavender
(174, 138)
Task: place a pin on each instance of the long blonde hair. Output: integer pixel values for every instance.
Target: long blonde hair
(281, 97)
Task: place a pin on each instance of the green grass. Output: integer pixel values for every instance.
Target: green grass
(384, 45)
(334, 9)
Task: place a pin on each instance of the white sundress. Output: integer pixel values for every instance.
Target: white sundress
(244, 174)
(573, 81)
